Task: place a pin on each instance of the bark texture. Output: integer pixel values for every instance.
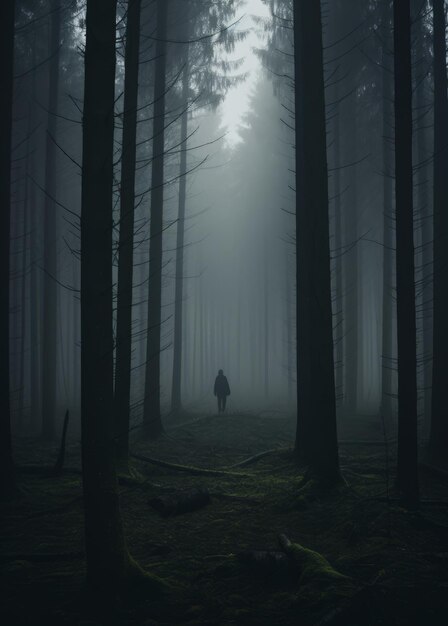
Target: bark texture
(439, 420)
(407, 470)
(176, 393)
(108, 562)
(152, 422)
(7, 480)
(316, 434)
(50, 320)
(122, 393)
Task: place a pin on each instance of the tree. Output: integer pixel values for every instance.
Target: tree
(387, 306)
(7, 479)
(126, 239)
(316, 440)
(176, 403)
(152, 422)
(439, 423)
(50, 259)
(108, 561)
(407, 470)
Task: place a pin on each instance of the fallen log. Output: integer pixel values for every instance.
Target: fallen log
(189, 469)
(312, 566)
(234, 497)
(256, 457)
(180, 502)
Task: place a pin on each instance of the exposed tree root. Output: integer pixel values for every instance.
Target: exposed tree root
(256, 457)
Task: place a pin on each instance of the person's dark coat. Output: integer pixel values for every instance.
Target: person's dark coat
(222, 388)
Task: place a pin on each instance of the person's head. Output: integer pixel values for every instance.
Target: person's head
(220, 373)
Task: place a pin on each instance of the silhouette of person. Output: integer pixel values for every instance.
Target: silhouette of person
(221, 390)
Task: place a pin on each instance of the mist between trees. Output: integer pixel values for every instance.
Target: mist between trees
(142, 252)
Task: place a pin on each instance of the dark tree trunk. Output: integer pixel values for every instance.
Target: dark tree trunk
(266, 321)
(387, 306)
(108, 562)
(303, 279)
(338, 269)
(122, 393)
(407, 470)
(176, 397)
(7, 479)
(316, 431)
(152, 422)
(194, 386)
(23, 282)
(351, 270)
(35, 309)
(439, 421)
(50, 250)
(289, 330)
(423, 211)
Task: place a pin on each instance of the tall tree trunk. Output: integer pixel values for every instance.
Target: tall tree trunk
(338, 269)
(195, 348)
(176, 397)
(50, 257)
(76, 339)
(352, 258)
(23, 282)
(439, 423)
(423, 210)
(7, 479)
(35, 308)
(317, 403)
(108, 561)
(387, 306)
(152, 422)
(407, 470)
(122, 393)
(303, 278)
(266, 322)
(289, 329)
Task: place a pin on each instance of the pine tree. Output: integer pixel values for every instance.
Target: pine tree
(122, 392)
(7, 479)
(316, 440)
(407, 470)
(108, 561)
(439, 422)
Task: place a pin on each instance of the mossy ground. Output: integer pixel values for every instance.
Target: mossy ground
(397, 561)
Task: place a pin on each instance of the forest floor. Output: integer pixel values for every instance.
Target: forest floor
(397, 560)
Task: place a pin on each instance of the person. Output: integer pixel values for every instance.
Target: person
(221, 390)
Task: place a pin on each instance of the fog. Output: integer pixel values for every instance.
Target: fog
(239, 274)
